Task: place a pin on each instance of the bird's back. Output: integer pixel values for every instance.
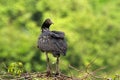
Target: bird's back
(53, 41)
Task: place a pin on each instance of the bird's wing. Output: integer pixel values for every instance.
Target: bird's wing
(59, 41)
(57, 34)
(60, 45)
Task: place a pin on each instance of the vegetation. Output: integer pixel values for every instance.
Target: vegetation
(92, 29)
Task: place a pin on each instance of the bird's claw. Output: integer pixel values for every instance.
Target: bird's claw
(48, 73)
(57, 74)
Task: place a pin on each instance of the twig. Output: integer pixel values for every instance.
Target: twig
(90, 63)
(75, 68)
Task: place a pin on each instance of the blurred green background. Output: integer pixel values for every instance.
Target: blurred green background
(92, 29)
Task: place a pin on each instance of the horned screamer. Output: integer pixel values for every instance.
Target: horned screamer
(52, 42)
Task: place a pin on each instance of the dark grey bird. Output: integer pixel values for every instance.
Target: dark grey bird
(52, 42)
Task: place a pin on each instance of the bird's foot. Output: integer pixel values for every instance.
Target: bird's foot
(57, 74)
(48, 73)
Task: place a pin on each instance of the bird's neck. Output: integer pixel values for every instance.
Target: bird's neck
(45, 29)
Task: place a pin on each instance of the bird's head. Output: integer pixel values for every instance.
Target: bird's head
(46, 24)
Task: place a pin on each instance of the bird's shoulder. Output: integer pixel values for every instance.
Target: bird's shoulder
(53, 34)
(58, 32)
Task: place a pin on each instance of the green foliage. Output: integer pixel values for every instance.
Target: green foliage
(15, 68)
(91, 27)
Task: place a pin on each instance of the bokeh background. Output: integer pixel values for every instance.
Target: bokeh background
(92, 29)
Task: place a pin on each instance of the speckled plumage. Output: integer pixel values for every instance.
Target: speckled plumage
(52, 42)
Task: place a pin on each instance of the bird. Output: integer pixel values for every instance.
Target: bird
(52, 42)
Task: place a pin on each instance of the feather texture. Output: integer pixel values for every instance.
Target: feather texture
(52, 41)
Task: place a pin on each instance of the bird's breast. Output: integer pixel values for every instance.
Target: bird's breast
(44, 39)
(44, 43)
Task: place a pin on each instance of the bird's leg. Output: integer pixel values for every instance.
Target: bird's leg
(57, 65)
(48, 64)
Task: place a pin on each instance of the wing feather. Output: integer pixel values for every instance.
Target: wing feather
(57, 34)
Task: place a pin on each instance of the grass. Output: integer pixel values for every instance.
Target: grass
(82, 75)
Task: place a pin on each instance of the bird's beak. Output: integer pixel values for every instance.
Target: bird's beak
(51, 22)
